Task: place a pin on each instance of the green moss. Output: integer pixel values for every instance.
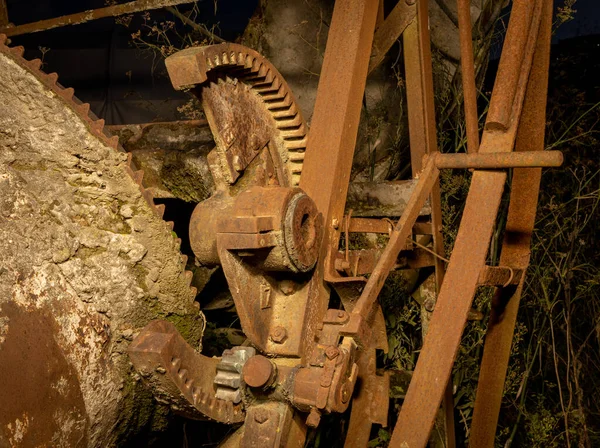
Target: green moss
(188, 327)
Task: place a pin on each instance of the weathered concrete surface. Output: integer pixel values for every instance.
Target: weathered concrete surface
(84, 264)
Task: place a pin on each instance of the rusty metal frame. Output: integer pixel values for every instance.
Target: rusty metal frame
(470, 249)
(516, 245)
(323, 357)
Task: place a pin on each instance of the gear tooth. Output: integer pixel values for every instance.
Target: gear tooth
(113, 142)
(184, 260)
(178, 242)
(17, 51)
(171, 225)
(138, 176)
(189, 276)
(3, 39)
(52, 78)
(35, 64)
(195, 293)
(67, 93)
(147, 193)
(84, 109)
(160, 208)
(98, 125)
(129, 158)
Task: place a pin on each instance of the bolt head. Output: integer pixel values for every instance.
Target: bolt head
(410, 2)
(429, 305)
(257, 371)
(335, 223)
(331, 352)
(278, 335)
(261, 415)
(287, 287)
(313, 418)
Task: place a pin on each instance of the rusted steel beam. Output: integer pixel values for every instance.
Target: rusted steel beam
(369, 404)
(390, 30)
(525, 17)
(332, 136)
(468, 257)
(525, 159)
(86, 16)
(467, 67)
(500, 276)
(516, 246)
(422, 134)
(3, 13)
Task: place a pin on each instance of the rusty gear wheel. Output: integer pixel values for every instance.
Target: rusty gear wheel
(248, 105)
(87, 261)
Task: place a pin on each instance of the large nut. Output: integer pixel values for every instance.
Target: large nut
(278, 335)
(258, 372)
(303, 230)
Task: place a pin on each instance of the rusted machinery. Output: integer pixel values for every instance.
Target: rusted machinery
(279, 244)
(277, 217)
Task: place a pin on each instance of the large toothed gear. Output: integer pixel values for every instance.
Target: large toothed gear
(86, 262)
(248, 105)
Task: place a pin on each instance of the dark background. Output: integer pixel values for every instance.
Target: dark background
(125, 85)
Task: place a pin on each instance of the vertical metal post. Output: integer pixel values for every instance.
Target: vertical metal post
(516, 246)
(467, 66)
(332, 136)
(3, 14)
(422, 133)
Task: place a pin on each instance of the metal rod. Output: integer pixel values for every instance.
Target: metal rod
(467, 66)
(86, 16)
(523, 26)
(521, 159)
(368, 298)
(423, 140)
(515, 248)
(390, 30)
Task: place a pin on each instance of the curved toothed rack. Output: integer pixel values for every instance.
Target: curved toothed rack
(232, 64)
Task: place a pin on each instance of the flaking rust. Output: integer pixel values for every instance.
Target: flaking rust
(277, 235)
(279, 267)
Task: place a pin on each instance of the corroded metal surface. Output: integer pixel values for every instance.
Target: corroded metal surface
(92, 14)
(173, 368)
(230, 76)
(467, 66)
(267, 236)
(516, 246)
(469, 254)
